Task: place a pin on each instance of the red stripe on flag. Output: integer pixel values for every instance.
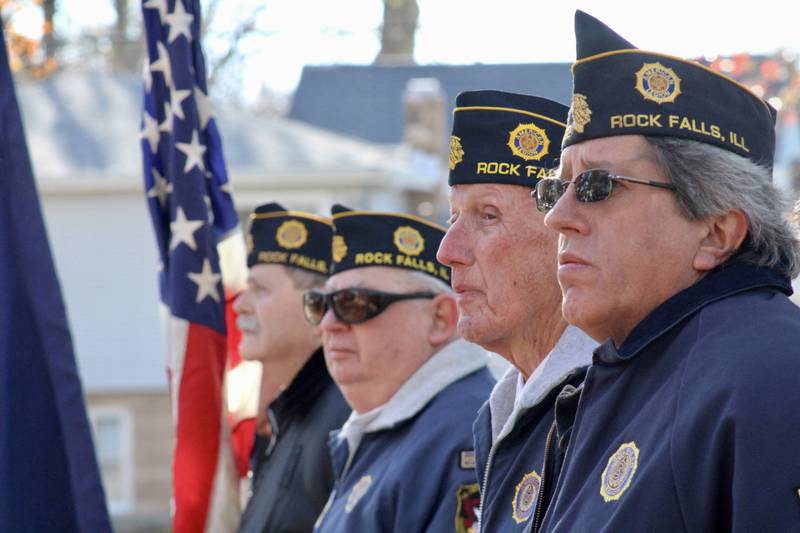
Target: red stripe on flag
(243, 432)
(198, 431)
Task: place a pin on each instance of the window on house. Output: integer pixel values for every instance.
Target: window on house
(112, 429)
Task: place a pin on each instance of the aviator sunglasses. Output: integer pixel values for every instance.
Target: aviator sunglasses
(353, 305)
(590, 186)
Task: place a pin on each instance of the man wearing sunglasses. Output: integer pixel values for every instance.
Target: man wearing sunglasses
(675, 253)
(404, 459)
(503, 261)
(288, 252)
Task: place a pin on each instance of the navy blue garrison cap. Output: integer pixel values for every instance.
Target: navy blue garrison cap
(290, 238)
(620, 90)
(374, 238)
(508, 138)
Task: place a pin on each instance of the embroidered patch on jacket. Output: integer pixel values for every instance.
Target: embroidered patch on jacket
(529, 142)
(409, 240)
(619, 471)
(466, 459)
(525, 496)
(658, 83)
(468, 498)
(456, 151)
(357, 492)
(292, 234)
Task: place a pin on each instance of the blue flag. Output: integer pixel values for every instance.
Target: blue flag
(49, 480)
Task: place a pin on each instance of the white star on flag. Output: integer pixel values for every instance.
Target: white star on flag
(148, 77)
(177, 96)
(166, 126)
(162, 64)
(150, 131)
(194, 153)
(206, 282)
(161, 189)
(183, 230)
(179, 21)
(203, 106)
(209, 209)
(161, 5)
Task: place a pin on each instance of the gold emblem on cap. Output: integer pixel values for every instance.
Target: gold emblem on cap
(658, 83)
(619, 471)
(529, 141)
(339, 249)
(456, 151)
(579, 114)
(408, 240)
(292, 234)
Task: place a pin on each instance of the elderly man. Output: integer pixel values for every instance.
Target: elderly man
(288, 252)
(503, 262)
(404, 459)
(675, 252)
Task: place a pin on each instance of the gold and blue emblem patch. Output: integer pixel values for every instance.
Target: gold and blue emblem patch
(579, 114)
(291, 234)
(525, 496)
(658, 83)
(619, 471)
(468, 499)
(456, 151)
(357, 492)
(339, 248)
(529, 141)
(409, 240)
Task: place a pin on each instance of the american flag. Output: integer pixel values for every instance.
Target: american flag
(192, 210)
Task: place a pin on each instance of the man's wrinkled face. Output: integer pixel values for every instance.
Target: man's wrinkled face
(503, 261)
(270, 314)
(382, 351)
(621, 257)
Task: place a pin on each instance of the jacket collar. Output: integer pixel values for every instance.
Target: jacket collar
(572, 351)
(727, 280)
(301, 394)
(453, 362)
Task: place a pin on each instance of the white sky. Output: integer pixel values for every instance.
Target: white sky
(510, 31)
(487, 31)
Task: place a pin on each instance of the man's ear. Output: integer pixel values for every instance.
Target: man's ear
(724, 236)
(445, 319)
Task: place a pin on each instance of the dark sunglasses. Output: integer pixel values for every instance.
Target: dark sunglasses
(590, 186)
(353, 305)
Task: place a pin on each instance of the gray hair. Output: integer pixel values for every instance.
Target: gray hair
(796, 213)
(712, 181)
(304, 279)
(425, 282)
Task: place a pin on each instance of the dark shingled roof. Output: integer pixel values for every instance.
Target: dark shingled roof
(366, 101)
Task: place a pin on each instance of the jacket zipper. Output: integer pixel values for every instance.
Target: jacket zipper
(492, 451)
(537, 522)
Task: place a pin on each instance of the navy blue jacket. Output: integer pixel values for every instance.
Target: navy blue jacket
(693, 424)
(509, 486)
(417, 475)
